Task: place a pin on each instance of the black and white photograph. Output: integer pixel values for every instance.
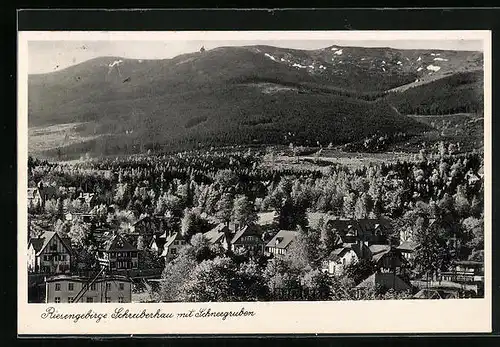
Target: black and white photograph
(226, 170)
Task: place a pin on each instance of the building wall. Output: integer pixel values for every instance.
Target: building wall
(116, 260)
(338, 267)
(174, 249)
(97, 292)
(31, 259)
(276, 251)
(55, 258)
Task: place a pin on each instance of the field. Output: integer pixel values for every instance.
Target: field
(43, 138)
(329, 157)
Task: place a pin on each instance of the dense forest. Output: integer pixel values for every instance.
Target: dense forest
(458, 93)
(195, 190)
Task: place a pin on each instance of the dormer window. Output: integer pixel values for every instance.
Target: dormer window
(278, 240)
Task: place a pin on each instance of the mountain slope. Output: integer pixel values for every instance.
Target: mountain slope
(229, 95)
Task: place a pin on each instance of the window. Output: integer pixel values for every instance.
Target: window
(108, 299)
(90, 299)
(173, 251)
(46, 257)
(58, 286)
(108, 286)
(122, 286)
(93, 286)
(71, 286)
(70, 299)
(57, 299)
(120, 299)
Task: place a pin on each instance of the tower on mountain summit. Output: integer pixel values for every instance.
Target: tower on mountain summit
(202, 49)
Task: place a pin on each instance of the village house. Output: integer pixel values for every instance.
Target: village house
(66, 288)
(342, 257)
(247, 239)
(49, 253)
(386, 258)
(34, 198)
(465, 271)
(280, 243)
(173, 245)
(218, 235)
(117, 253)
(408, 249)
(369, 231)
(157, 243)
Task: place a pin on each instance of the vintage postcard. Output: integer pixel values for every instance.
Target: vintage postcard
(254, 182)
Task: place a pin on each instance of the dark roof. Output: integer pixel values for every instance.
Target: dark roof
(385, 280)
(248, 230)
(49, 192)
(41, 242)
(37, 243)
(118, 243)
(362, 227)
(313, 219)
(285, 237)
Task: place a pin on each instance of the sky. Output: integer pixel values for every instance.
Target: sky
(47, 56)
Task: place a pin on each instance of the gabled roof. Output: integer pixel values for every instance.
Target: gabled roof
(217, 233)
(375, 249)
(118, 243)
(365, 226)
(337, 253)
(248, 230)
(172, 238)
(408, 246)
(40, 243)
(379, 251)
(284, 238)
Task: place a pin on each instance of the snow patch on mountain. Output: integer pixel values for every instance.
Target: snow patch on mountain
(339, 52)
(270, 57)
(440, 59)
(116, 63)
(299, 66)
(433, 68)
(420, 69)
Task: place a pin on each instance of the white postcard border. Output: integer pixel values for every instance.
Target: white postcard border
(403, 316)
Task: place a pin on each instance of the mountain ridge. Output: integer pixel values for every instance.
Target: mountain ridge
(252, 94)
